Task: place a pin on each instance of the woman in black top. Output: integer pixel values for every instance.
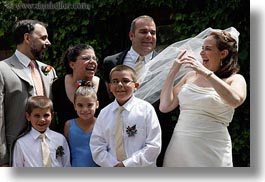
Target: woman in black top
(80, 63)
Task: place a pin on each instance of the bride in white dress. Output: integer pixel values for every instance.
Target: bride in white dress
(207, 96)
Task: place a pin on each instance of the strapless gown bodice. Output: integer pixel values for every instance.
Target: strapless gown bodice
(201, 136)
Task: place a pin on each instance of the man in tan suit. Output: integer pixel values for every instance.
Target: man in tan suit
(16, 82)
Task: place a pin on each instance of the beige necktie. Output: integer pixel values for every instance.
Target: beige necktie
(46, 159)
(139, 66)
(119, 136)
(36, 78)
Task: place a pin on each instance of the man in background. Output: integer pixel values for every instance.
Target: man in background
(143, 43)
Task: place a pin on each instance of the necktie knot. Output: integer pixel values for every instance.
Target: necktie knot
(32, 64)
(42, 137)
(120, 109)
(140, 59)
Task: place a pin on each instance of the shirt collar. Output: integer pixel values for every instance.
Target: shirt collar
(135, 55)
(127, 106)
(35, 134)
(23, 59)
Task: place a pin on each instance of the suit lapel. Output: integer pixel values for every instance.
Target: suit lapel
(154, 54)
(18, 69)
(120, 58)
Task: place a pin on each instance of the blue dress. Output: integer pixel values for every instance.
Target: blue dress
(79, 145)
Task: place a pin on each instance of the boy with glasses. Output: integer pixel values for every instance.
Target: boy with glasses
(140, 141)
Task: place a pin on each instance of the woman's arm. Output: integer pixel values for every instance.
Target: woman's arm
(168, 96)
(66, 129)
(233, 91)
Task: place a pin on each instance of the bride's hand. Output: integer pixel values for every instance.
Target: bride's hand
(178, 61)
(194, 64)
(181, 59)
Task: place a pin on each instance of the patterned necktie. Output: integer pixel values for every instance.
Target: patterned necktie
(119, 136)
(36, 78)
(139, 67)
(46, 159)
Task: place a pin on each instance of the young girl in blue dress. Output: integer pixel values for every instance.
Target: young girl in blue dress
(78, 130)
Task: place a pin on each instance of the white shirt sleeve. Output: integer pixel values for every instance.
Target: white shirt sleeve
(18, 158)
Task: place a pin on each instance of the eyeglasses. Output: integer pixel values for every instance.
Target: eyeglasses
(89, 58)
(123, 82)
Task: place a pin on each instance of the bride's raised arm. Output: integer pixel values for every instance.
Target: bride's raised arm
(169, 92)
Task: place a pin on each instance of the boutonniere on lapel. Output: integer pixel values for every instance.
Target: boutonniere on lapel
(131, 130)
(46, 69)
(59, 151)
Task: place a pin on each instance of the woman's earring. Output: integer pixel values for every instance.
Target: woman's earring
(221, 64)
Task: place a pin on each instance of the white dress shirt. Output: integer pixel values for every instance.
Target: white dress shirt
(28, 153)
(142, 149)
(132, 56)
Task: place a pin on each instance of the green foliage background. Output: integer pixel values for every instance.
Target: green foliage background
(104, 24)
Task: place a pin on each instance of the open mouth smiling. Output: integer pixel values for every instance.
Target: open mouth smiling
(90, 68)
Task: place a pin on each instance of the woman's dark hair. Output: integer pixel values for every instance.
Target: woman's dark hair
(229, 64)
(71, 54)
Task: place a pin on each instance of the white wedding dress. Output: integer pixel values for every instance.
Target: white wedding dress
(201, 137)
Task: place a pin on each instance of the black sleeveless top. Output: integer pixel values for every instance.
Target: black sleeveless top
(64, 108)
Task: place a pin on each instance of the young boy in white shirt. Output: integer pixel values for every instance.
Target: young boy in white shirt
(141, 132)
(28, 149)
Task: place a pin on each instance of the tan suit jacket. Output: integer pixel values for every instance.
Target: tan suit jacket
(15, 89)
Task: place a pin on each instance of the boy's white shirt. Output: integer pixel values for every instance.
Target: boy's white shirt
(142, 149)
(28, 153)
